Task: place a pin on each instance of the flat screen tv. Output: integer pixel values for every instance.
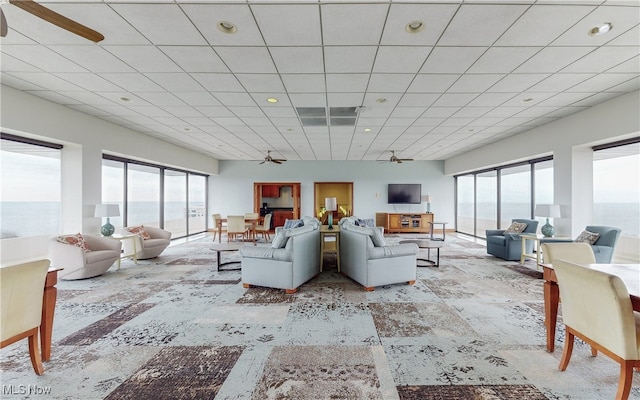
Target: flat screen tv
(404, 193)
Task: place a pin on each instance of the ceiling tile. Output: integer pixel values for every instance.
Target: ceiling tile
(352, 24)
(502, 59)
(475, 83)
(553, 59)
(302, 27)
(451, 59)
(247, 59)
(218, 82)
(261, 82)
(434, 16)
(343, 59)
(240, 15)
(301, 83)
(297, 59)
(144, 58)
(412, 59)
(391, 83)
(195, 58)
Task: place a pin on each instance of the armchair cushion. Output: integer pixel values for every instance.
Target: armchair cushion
(516, 227)
(293, 223)
(587, 237)
(74, 240)
(140, 231)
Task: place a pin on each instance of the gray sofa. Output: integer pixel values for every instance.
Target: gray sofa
(365, 258)
(291, 260)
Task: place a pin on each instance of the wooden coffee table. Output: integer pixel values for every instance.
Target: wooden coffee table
(427, 244)
(230, 246)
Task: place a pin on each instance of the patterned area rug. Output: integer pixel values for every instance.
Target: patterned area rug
(175, 328)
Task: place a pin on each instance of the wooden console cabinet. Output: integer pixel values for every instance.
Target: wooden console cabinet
(405, 222)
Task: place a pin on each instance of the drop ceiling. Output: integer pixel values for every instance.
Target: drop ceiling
(478, 71)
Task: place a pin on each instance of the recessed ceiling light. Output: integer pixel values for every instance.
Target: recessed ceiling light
(227, 27)
(125, 99)
(600, 30)
(471, 130)
(528, 99)
(272, 100)
(414, 26)
(381, 100)
(367, 129)
(187, 129)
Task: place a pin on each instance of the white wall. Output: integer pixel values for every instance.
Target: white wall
(232, 190)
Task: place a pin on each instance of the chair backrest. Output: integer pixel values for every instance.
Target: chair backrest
(252, 215)
(608, 235)
(267, 220)
(214, 218)
(21, 290)
(235, 223)
(580, 253)
(597, 305)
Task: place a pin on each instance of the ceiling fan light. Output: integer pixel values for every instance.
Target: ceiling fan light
(600, 30)
(227, 27)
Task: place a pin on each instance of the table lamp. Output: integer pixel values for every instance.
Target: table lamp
(331, 205)
(427, 199)
(107, 210)
(547, 211)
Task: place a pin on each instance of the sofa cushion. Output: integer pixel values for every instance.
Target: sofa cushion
(378, 238)
(74, 240)
(365, 222)
(587, 237)
(298, 231)
(265, 253)
(280, 240)
(516, 227)
(397, 250)
(140, 231)
(293, 223)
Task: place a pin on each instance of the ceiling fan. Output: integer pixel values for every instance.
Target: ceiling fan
(51, 16)
(395, 159)
(269, 159)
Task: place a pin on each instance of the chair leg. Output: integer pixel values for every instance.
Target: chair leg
(34, 353)
(594, 351)
(568, 349)
(626, 378)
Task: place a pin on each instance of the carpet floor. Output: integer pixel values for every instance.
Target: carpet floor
(174, 328)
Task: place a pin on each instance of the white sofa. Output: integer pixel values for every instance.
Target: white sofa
(376, 264)
(81, 264)
(146, 248)
(292, 259)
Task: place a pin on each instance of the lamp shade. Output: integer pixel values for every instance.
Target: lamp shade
(107, 210)
(426, 198)
(331, 203)
(547, 210)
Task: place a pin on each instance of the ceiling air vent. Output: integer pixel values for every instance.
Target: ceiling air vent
(318, 116)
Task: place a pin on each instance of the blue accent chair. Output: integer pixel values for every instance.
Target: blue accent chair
(509, 246)
(605, 245)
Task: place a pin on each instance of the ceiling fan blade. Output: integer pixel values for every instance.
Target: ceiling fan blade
(262, 162)
(276, 161)
(3, 24)
(406, 159)
(60, 20)
(398, 161)
(279, 159)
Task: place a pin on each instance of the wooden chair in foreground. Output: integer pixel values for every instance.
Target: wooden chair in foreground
(21, 290)
(217, 219)
(596, 308)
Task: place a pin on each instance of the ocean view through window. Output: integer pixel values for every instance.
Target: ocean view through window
(30, 199)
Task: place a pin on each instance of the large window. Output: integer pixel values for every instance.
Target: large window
(616, 194)
(490, 199)
(155, 195)
(30, 200)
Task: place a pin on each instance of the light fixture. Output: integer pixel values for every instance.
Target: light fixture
(414, 26)
(600, 30)
(427, 199)
(381, 100)
(528, 99)
(272, 100)
(227, 27)
(367, 129)
(125, 99)
(547, 211)
(107, 210)
(331, 205)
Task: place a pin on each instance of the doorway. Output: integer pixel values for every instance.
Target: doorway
(342, 191)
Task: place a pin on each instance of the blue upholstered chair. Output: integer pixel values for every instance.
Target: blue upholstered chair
(605, 245)
(509, 246)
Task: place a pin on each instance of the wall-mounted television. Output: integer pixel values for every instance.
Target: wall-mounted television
(404, 193)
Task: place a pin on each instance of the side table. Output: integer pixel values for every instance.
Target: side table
(121, 238)
(443, 230)
(537, 249)
(333, 234)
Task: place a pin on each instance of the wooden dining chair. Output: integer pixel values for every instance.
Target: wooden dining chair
(264, 228)
(21, 290)
(596, 307)
(236, 226)
(217, 220)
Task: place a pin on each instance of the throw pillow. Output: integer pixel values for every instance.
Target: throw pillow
(280, 240)
(140, 231)
(365, 222)
(516, 227)
(378, 238)
(74, 240)
(587, 237)
(293, 223)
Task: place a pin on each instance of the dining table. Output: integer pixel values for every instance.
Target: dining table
(628, 273)
(250, 223)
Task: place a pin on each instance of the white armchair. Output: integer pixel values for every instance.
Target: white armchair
(149, 242)
(68, 252)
